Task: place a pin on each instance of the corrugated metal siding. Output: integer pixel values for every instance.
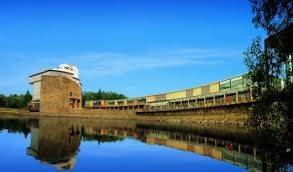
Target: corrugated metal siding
(176, 95)
(189, 93)
(141, 101)
(150, 99)
(89, 103)
(205, 89)
(197, 91)
(111, 103)
(246, 81)
(236, 82)
(103, 103)
(214, 87)
(96, 103)
(160, 97)
(130, 102)
(225, 85)
(236, 78)
(158, 103)
(120, 102)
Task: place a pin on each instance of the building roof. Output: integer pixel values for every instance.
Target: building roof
(48, 70)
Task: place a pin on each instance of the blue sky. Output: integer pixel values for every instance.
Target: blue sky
(132, 47)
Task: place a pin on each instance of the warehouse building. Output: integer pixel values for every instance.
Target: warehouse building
(56, 90)
(232, 90)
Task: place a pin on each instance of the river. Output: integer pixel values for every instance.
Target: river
(76, 144)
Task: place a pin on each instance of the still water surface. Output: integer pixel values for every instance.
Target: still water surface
(50, 144)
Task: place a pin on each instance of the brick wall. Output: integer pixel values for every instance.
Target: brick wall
(59, 94)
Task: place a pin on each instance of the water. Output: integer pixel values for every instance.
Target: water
(50, 144)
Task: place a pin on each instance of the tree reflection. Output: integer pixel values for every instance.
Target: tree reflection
(275, 148)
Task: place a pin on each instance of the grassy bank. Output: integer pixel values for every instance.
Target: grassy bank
(9, 111)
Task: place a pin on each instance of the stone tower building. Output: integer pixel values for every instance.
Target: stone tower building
(56, 90)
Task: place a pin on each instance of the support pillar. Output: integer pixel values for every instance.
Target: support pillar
(251, 97)
(254, 153)
(239, 148)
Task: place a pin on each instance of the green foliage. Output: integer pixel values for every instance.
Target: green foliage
(265, 71)
(14, 126)
(15, 101)
(265, 66)
(2, 100)
(271, 110)
(102, 95)
(101, 138)
(27, 97)
(272, 15)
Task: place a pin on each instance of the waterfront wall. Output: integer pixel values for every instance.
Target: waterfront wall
(229, 118)
(235, 115)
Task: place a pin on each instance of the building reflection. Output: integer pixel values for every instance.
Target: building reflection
(224, 150)
(55, 142)
(237, 154)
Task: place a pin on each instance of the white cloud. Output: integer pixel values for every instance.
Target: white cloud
(16, 68)
(108, 63)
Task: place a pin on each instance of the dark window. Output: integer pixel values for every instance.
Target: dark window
(70, 93)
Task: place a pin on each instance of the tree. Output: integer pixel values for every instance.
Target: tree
(102, 95)
(272, 15)
(14, 101)
(265, 66)
(2, 100)
(275, 17)
(27, 97)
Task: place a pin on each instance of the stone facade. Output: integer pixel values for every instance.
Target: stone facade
(59, 94)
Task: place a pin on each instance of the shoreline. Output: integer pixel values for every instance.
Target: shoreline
(238, 119)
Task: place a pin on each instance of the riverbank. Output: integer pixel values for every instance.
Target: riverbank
(9, 111)
(213, 118)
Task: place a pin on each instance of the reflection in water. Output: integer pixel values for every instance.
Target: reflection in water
(56, 141)
(215, 148)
